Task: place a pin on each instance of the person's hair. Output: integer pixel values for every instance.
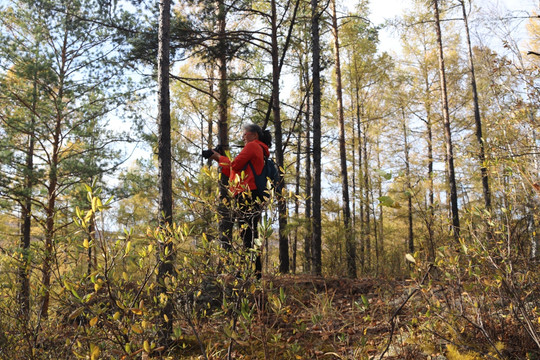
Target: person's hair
(266, 138)
(254, 129)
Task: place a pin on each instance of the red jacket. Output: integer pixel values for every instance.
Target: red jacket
(239, 172)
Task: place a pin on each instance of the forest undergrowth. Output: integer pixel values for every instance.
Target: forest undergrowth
(477, 300)
(298, 317)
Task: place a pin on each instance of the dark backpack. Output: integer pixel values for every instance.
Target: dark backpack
(269, 172)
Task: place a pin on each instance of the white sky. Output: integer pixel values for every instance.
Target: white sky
(382, 10)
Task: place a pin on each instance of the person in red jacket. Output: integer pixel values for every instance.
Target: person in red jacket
(242, 183)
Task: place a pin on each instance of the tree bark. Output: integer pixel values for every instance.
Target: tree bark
(225, 220)
(380, 236)
(26, 211)
(297, 199)
(276, 110)
(410, 242)
(165, 250)
(308, 240)
(350, 247)
(367, 238)
(50, 208)
(317, 230)
(360, 174)
(447, 128)
(431, 193)
(477, 118)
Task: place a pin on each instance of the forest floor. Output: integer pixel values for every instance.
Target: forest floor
(308, 317)
(304, 317)
(327, 318)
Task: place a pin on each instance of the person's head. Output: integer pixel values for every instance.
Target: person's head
(252, 132)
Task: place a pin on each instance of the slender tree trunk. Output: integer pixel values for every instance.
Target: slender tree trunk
(367, 199)
(353, 164)
(24, 269)
(225, 221)
(223, 125)
(298, 177)
(164, 116)
(477, 118)
(380, 247)
(211, 109)
(297, 199)
(430, 216)
(165, 250)
(410, 242)
(431, 193)
(308, 240)
(447, 129)
(207, 135)
(50, 208)
(317, 230)
(50, 211)
(91, 233)
(350, 248)
(282, 203)
(360, 179)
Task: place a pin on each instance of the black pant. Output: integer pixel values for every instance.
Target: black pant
(246, 210)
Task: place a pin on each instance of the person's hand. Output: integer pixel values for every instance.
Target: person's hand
(215, 155)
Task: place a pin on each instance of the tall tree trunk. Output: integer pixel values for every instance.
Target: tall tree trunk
(225, 221)
(50, 211)
(410, 242)
(367, 199)
(317, 229)
(431, 196)
(477, 118)
(308, 240)
(26, 224)
(360, 177)
(447, 129)
(165, 251)
(297, 199)
(207, 135)
(353, 161)
(282, 203)
(380, 247)
(350, 248)
(50, 208)
(430, 201)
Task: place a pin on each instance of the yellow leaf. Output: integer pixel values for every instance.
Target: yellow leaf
(116, 315)
(94, 352)
(136, 311)
(136, 329)
(85, 244)
(125, 276)
(99, 204)
(94, 204)
(128, 247)
(410, 258)
(146, 346)
(166, 317)
(93, 322)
